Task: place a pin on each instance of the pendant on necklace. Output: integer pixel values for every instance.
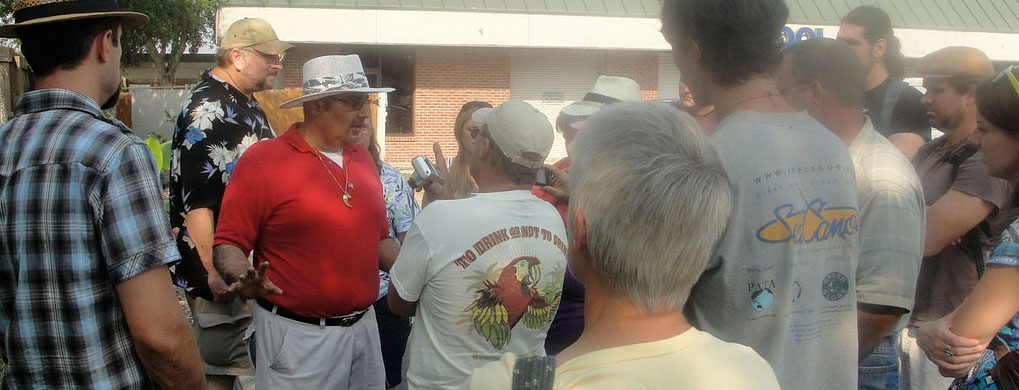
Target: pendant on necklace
(346, 200)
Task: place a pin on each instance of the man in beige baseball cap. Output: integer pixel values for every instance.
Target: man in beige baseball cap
(499, 251)
(960, 196)
(218, 122)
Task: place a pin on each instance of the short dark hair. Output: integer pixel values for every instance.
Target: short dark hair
(833, 64)
(877, 25)
(517, 173)
(63, 45)
(738, 38)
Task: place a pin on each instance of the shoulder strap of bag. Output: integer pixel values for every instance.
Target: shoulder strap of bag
(895, 89)
(534, 373)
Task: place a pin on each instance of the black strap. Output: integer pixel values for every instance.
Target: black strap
(973, 237)
(534, 373)
(895, 89)
(344, 321)
(599, 98)
(64, 8)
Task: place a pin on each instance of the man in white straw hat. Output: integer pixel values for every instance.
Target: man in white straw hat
(86, 299)
(311, 209)
(483, 275)
(569, 320)
(206, 144)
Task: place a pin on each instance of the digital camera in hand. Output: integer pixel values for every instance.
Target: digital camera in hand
(544, 177)
(424, 173)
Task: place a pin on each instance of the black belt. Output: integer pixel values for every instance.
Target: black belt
(343, 321)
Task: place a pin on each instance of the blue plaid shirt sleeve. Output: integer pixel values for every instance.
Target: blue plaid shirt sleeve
(135, 230)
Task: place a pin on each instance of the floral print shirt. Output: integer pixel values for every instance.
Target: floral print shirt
(217, 123)
(401, 208)
(1006, 254)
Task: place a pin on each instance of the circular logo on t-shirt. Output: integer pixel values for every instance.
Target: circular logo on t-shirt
(835, 286)
(762, 299)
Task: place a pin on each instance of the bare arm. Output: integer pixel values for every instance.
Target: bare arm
(993, 302)
(951, 217)
(231, 262)
(399, 306)
(388, 250)
(160, 331)
(907, 143)
(199, 223)
(874, 323)
(969, 329)
(245, 280)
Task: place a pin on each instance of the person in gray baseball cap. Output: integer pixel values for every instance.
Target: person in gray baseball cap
(483, 275)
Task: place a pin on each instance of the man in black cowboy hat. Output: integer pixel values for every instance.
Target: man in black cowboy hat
(84, 239)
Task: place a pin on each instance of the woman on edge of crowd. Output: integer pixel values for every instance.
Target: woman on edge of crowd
(400, 212)
(459, 183)
(977, 343)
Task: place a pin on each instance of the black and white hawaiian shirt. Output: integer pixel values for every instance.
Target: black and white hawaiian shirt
(217, 123)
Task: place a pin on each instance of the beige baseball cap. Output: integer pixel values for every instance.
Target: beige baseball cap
(955, 61)
(520, 131)
(254, 33)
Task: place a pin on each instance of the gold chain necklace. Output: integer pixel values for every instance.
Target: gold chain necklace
(346, 179)
(346, 173)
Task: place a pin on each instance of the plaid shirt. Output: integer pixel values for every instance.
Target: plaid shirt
(80, 211)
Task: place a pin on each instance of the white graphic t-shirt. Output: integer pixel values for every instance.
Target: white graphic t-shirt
(487, 273)
(783, 280)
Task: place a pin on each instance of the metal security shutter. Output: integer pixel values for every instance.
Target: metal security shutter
(668, 77)
(551, 79)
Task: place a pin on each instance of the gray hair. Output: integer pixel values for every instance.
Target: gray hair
(655, 199)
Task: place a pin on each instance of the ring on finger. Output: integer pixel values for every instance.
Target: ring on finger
(948, 351)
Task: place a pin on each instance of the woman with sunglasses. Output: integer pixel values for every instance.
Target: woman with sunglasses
(976, 342)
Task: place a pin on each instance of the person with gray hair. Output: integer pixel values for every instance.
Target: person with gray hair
(822, 77)
(649, 202)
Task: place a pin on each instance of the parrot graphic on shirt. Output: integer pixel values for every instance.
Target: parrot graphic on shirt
(512, 297)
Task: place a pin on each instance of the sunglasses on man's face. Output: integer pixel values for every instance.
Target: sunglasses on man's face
(269, 58)
(356, 103)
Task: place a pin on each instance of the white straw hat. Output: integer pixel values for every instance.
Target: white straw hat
(332, 75)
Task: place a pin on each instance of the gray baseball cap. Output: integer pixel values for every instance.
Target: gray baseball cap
(522, 132)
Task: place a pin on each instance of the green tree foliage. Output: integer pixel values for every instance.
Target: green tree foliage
(174, 27)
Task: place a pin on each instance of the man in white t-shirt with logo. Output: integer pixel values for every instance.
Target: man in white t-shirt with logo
(483, 275)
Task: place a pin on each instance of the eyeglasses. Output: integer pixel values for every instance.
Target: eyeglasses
(474, 131)
(356, 103)
(270, 58)
(1011, 78)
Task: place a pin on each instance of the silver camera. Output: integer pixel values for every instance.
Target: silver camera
(424, 173)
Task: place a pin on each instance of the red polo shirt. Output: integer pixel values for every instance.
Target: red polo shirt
(282, 203)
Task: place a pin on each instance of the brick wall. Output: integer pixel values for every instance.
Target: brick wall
(640, 66)
(445, 79)
(296, 57)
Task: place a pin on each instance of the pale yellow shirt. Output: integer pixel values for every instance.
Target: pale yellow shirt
(691, 360)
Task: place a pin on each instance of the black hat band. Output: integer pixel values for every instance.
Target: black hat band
(64, 8)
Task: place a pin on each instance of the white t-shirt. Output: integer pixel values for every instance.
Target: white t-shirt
(487, 274)
(337, 157)
(782, 280)
(692, 360)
